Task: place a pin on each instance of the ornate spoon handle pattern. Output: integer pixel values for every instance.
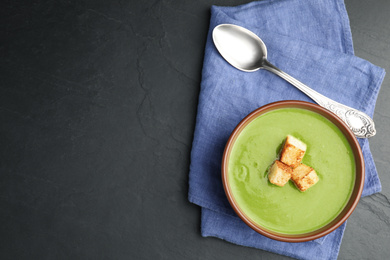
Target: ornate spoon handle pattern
(359, 123)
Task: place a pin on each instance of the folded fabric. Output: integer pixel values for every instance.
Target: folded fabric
(311, 41)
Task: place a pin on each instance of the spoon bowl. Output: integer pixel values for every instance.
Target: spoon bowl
(242, 48)
(245, 51)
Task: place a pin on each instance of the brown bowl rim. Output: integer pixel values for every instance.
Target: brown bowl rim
(359, 178)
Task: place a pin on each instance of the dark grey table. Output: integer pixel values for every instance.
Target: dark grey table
(98, 102)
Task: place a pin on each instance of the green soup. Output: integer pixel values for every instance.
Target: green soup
(286, 209)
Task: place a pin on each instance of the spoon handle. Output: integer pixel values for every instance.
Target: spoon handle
(360, 123)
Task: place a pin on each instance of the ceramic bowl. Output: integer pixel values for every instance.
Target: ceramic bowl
(357, 187)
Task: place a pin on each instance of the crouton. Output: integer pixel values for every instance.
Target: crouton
(293, 151)
(304, 177)
(279, 173)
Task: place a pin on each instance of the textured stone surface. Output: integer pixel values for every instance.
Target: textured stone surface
(97, 106)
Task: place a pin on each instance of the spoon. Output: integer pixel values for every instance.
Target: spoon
(245, 51)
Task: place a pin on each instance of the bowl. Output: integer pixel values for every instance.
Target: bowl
(285, 213)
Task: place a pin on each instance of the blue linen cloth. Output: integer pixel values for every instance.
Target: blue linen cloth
(310, 40)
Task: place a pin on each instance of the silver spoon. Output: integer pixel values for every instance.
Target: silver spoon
(247, 52)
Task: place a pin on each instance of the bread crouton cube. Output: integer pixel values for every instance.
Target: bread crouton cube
(293, 151)
(304, 177)
(279, 173)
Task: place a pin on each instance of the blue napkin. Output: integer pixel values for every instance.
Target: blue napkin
(310, 40)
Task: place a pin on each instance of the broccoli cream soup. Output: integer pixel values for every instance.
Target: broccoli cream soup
(286, 209)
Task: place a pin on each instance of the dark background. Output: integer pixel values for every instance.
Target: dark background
(98, 102)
